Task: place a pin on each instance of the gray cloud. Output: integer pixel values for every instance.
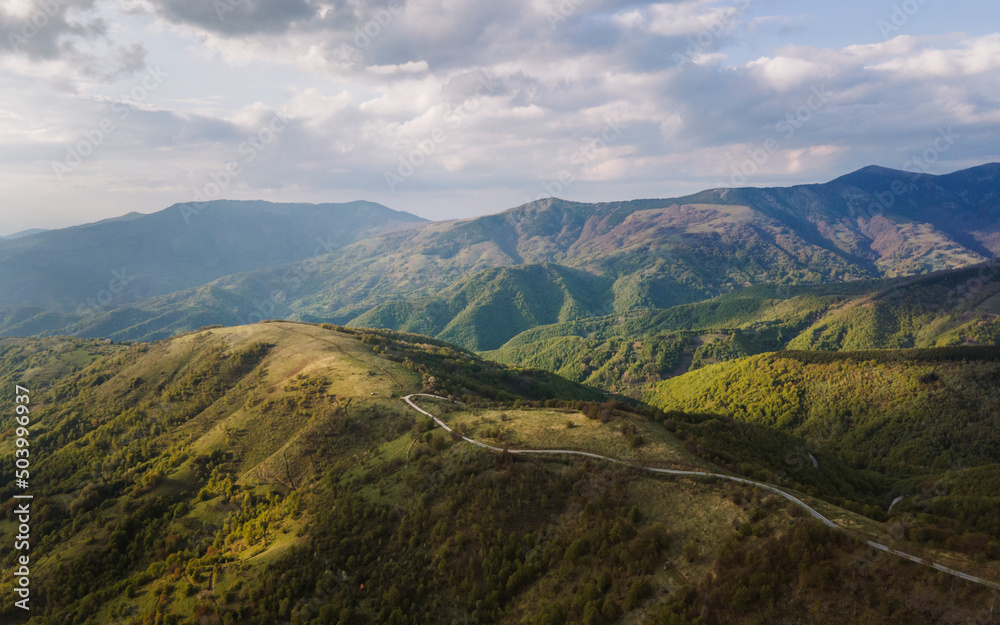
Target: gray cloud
(238, 17)
(108, 67)
(531, 94)
(71, 32)
(48, 31)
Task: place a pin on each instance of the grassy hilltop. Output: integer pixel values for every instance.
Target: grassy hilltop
(272, 474)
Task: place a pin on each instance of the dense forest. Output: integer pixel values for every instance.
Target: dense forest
(271, 474)
(629, 352)
(926, 421)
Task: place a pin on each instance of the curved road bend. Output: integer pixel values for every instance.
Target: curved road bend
(774, 489)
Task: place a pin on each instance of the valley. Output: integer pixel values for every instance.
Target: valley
(743, 406)
(480, 282)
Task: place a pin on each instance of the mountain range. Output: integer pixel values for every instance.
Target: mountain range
(178, 248)
(737, 407)
(480, 282)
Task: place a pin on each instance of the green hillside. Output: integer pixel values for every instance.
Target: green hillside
(627, 353)
(951, 308)
(926, 419)
(164, 442)
(272, 474)
(882, 409)
(486, 310)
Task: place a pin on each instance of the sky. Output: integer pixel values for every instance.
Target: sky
(456, 108)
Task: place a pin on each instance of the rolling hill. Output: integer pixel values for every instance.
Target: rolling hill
(904, 409)
(272, 474)
(481, 312)
(927, 419)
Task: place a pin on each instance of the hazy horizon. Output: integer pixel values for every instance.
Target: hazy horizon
(4, 233)
(451, 110)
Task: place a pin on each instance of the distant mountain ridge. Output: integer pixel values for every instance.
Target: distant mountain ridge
(481, 281)
(23, 233)
(137, 256)
(657, 253)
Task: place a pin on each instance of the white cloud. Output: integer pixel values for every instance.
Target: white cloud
(673, 20)
(680, 19)
(506, 100)
(412, 67)
(784, 73)
(973, 57)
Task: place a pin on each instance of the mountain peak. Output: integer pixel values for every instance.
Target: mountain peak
(872, 173)
(265, 206)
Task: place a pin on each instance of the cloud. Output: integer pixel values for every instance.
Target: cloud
(47, 31)
(413, 67)
(518, 124)
(71, 34)
(680, 19)
(242, 17)
(463, 96)
(970, 58)
(786, 72)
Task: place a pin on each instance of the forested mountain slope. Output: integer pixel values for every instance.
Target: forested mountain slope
(547, 261)
(626, 353)
(271, 474)
(137, 256)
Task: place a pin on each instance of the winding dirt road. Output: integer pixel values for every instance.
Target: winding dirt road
(762, 485)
